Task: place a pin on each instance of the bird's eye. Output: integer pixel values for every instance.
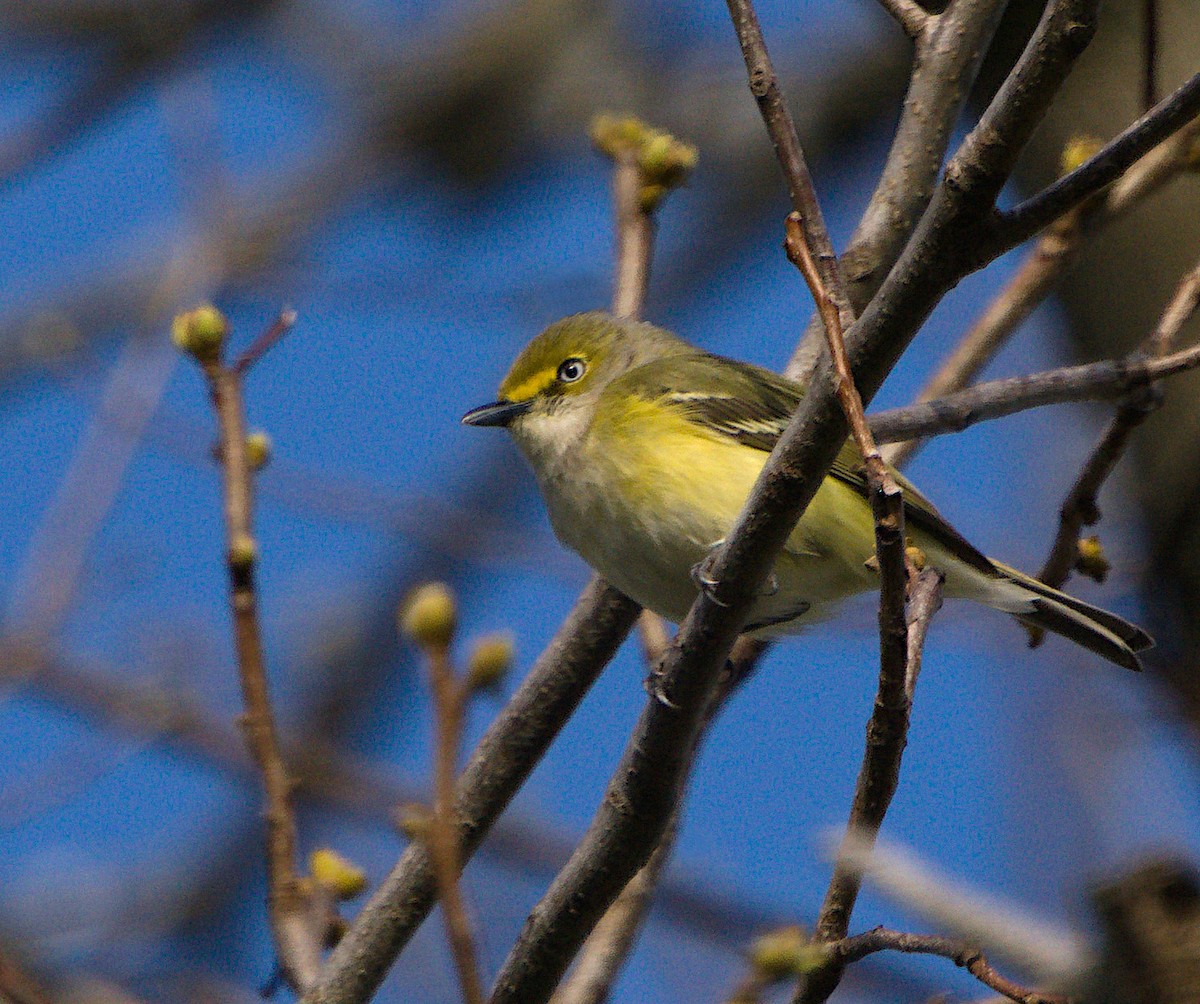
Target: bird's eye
(571, 370)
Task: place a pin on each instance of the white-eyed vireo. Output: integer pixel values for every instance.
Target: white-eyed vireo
(646, 449)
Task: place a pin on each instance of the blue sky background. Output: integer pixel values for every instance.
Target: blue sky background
(1027, 773)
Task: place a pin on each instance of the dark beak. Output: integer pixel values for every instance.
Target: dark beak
(496, 413)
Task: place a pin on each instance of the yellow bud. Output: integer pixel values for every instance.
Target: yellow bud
(649, 196)
(258, 450)
(412, 819)
(200, 332)
(1090, 559)
(664, 158)
(429, 616)
(916, 557)
(614, 135)
(491, 657)
(333, 872)
(1077, 152)
(785, 952)
(243, 551)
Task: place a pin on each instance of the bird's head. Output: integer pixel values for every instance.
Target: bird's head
(555, 383)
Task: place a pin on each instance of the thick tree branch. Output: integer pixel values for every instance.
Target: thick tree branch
(946, 60)
(909, 14)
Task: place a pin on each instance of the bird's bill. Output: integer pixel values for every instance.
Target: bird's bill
(496, 413)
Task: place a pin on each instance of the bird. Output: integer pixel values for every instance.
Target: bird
(645, 449)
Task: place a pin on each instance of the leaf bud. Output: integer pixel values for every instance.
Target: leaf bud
(200, 332)
(331, 871)
(428, 615)
(491, 658)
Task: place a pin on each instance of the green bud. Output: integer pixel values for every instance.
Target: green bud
(491, 658)
(1090, 559)
(258, 450)
(333, 872)
(243, 551)
(1078, 151)
(785, 952)
(200, 332)
(428, 616)
(614, 135)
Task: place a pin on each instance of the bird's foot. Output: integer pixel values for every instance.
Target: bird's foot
(703, 578)
(656, 687)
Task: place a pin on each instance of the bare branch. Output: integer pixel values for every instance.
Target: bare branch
(298, 935)
(1044, 265)
(887, 735)
(503, 759)
(961, 953)
(782, 130)
(947, 58)
(450, 696)
(609, 944)
(910, 15)
(265, 341)
(635, 238)
(1080, 507)
(1112, 378)
(1030, 285)
(1167, 117)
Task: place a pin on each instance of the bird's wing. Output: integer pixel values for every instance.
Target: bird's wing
(753, 406)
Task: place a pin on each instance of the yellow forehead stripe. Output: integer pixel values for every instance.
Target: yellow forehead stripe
(530, 387)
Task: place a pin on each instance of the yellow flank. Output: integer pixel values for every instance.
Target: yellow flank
(676, 485)
(531, 386)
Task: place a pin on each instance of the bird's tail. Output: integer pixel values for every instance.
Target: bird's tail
(1104, 633)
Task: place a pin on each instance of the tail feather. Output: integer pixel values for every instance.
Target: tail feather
(1098, 630)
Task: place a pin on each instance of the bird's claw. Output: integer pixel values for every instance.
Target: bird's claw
(656, 687)
(702, 576)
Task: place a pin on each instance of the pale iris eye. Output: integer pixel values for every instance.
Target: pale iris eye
(571, 370)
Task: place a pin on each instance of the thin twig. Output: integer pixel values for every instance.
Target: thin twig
(634, 238)
(961, 953)
(1109, 379)
(297, 936)
(1164, 119)
(608, 946)
(782, 129)
(265, 341)
(1081, 508)
(1045, 264)
(800, 254)
(450, 695)
(505, 756)
(1028, 287)
(888, 728)
(887, 735)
